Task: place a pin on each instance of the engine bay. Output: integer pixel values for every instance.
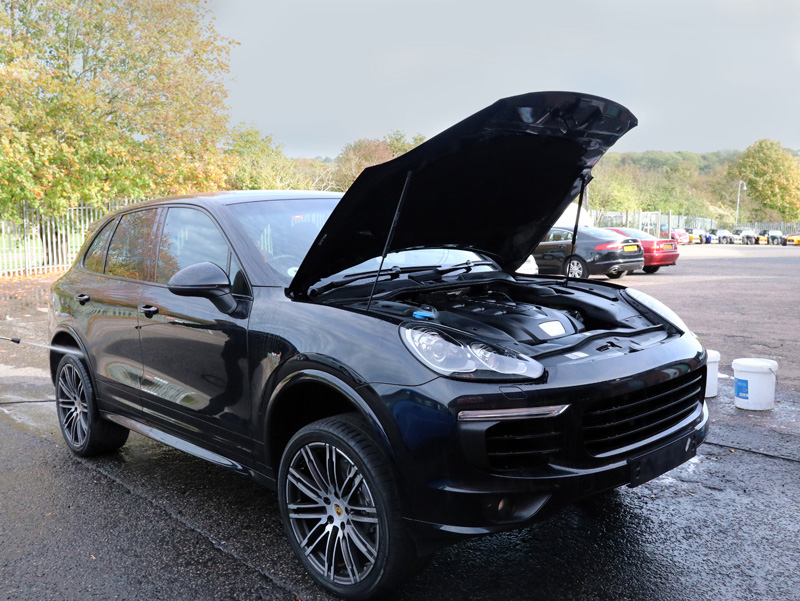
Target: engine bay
(536, 316)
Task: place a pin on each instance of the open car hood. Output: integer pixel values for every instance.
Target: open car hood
(493, 183)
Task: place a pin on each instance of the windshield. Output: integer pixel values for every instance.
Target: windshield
(284, 230)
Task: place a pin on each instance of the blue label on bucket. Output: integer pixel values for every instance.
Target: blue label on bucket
(741, 389)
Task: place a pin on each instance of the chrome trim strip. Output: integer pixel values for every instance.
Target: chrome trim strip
(509, 414)
(175, 442)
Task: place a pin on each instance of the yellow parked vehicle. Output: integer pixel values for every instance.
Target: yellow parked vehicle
(792, 239)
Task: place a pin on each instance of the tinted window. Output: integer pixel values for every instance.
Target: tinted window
(132, 246)
(189, 237)
(95, 258)
(559, 236)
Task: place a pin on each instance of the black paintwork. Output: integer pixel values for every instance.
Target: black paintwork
(233, 384)
(239, 384)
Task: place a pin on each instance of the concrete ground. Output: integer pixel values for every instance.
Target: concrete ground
(152, 523)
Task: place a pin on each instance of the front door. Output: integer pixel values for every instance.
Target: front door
(195, 380)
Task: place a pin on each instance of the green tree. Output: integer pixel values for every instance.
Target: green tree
(109, 99)
(772, 176)
(260, 163)
(398, 144)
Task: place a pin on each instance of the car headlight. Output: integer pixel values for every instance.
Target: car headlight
(659, 308)
(444, 353)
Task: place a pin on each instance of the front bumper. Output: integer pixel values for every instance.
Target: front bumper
(460, 481)
(517, 502)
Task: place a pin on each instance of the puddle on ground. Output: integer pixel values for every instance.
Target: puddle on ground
(35, 417)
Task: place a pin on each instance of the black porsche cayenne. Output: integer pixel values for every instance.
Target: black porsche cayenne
(374, 357)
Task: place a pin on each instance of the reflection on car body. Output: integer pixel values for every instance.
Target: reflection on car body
(375, 357)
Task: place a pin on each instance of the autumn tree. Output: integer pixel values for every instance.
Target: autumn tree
(358, 155)
(109, 99)
(772, 176)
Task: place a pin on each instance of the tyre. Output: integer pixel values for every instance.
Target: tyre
(341, 509)
(615, 275)
(84, 431)
(576, 268)
(651, 268)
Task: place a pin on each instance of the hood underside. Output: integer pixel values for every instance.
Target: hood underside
(493, 183)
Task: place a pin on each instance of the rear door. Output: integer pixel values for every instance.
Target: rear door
(108, 290)
(195, 382)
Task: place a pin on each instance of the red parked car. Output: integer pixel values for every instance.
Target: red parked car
(657, 253)
(680, 236)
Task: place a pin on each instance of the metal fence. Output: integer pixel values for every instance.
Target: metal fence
(40, 243)
(658, 223)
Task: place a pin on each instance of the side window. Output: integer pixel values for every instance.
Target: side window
(559, 235)
(191, 237)
(95, 258)
(132, 246)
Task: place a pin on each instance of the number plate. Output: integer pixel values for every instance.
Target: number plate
(661, 460)
(628, 248)
(669, 246)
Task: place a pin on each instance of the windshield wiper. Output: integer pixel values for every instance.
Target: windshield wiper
(395, 272)
(392, 274)
(466, 265)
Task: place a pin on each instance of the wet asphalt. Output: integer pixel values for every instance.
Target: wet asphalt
(150, 522)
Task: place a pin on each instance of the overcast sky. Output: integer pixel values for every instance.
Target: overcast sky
(700, 75)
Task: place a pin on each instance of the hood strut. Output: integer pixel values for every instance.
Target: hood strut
(585, 179)
(389, 237)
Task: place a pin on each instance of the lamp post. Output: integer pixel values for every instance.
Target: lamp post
(738, 195)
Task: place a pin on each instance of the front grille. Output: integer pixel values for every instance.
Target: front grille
(525, 443)
(619, 422)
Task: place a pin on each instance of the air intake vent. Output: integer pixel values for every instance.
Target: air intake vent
(524, 444)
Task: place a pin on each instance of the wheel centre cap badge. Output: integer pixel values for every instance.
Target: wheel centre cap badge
(338, 509)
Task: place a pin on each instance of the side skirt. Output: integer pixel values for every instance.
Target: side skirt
(180, 444)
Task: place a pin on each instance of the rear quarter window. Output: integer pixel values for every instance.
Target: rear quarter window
(95, 258)
(130, 254)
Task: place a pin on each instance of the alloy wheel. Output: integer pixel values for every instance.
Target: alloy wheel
(575, 268)
(332, 513)
(73, 407)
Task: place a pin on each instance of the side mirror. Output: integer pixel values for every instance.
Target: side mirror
(205, 280)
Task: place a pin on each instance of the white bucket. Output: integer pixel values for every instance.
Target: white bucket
(713, 373)
(755, 383)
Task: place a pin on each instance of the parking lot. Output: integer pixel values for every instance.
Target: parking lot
(153, 523)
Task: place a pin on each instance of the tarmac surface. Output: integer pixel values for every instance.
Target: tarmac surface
(151, 522)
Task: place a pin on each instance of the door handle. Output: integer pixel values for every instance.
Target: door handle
(82, 298)
(148, 310)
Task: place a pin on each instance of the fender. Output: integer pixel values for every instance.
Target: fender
(312, 369)
(69, 330)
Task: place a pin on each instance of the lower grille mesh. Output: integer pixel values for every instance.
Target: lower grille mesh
(618, 422)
